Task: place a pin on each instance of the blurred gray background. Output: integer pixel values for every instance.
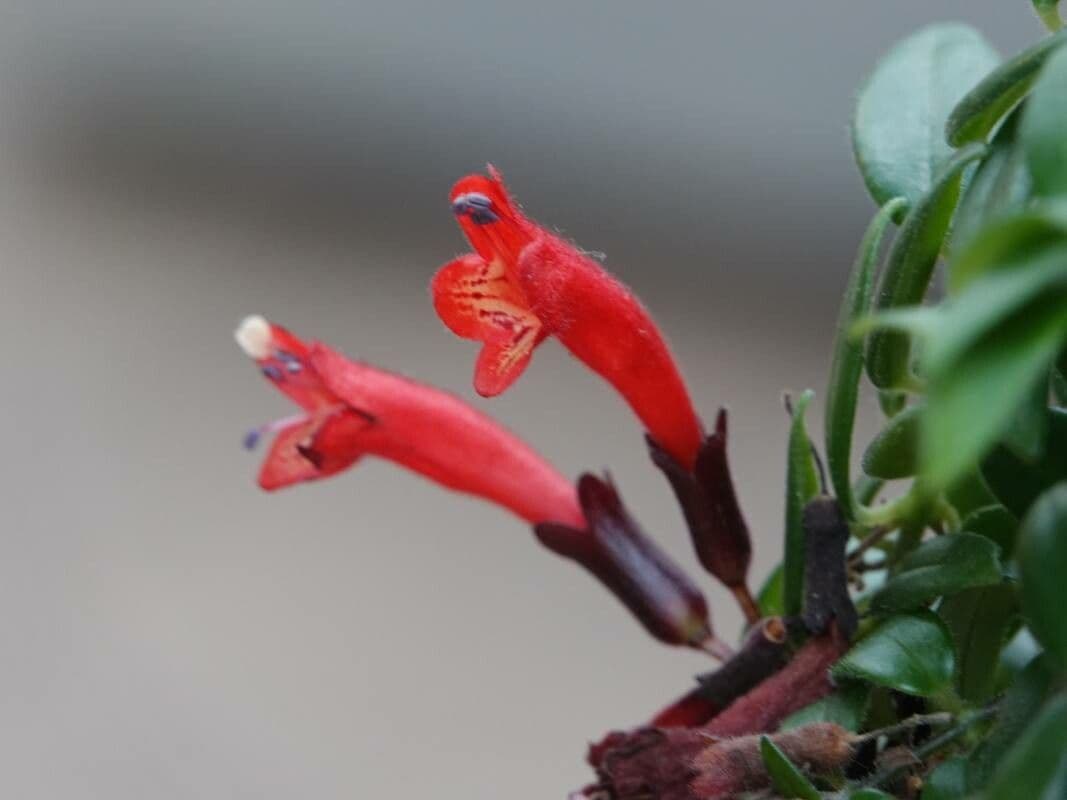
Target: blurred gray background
(169, 631)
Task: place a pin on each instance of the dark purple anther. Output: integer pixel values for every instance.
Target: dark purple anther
(272, 372)
(252, 439)
(633, 568)
(475, 205)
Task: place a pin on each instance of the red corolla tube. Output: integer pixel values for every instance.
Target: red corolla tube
(523, 284)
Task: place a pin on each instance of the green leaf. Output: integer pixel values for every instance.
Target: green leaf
(981, 108)
(1042, 557)
(847, 366)
(909, 266)
(986, 352)
(999, 187)
(1038, 760)
(981, 621)
(911, 653)
(1042, 129)
(994, 522)
(941, 566)
(1007, 243)
(898, 128)
(1017, 711)
(846, 707)
(1028, 430)
(1016, 482)
(947, 782)
(801, 485)
(969, 494)
(1049, 13)
(787, 779)
(894, 452)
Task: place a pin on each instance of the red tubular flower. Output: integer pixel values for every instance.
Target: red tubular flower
(523, 284)
(350, 409)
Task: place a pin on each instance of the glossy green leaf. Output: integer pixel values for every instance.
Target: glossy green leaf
(911, 653)
(847, 365)
(787, 779)
(1042, 557)
(947, 782)
(894, 452)
(1016, 482)
(1042, 129)
(770, 598)
(846, 707)
(983, 107)
(981, 620)
(942, 566)
(999, 187)
(909, 266)
(994, 522)
(1016, 712)
(801, 485)
(898, 128)
(1038, 760)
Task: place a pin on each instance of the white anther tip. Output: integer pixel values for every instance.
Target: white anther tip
(254, 337)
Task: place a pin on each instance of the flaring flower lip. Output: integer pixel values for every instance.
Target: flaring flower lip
(349, 409)
(523, 284)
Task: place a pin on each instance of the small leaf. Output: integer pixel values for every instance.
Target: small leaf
(801, 484)
(1017, 483)
(911, 653)
(1038, 760)
(1042, 129)
(1042, 556)
(981, 621)
(1000, 186)
(942, 566)
(1017, 710)
(994, 522)
(947, 782)
(894, 451)
(1049, 13)
(847, 366)
(787, 779)
(846, 707)
(981, 108)
(909, 266)
(898, 129)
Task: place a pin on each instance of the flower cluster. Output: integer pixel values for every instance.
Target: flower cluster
(521, 285)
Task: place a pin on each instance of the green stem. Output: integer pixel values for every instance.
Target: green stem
(1049, 14)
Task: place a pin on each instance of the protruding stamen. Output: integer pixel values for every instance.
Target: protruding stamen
(251, 439)
(273, 372)
(254, 337)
